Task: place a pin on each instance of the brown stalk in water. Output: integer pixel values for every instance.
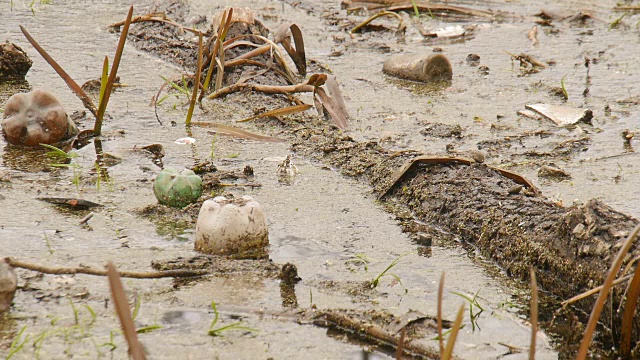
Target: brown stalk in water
(124, 313)
(629, 314)
(400, 347)
(97, 128)
(594, 290)
(448, 351)
(86, 101)
(101, 272)
(440, 293)
(196, 83)
(534, 315)
(602, 297)
(223, 29)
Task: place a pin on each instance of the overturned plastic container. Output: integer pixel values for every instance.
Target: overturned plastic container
(421, 67)
(232, 227)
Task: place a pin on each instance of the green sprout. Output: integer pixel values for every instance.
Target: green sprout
(63, 156)
(16, 344)
(376, 281)
(415, 8)
(564, 90)
(473, 301)
(218, 331)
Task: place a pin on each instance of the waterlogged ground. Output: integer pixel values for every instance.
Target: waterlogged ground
(323, 222)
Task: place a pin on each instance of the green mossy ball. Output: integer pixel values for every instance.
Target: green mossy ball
(177, 189)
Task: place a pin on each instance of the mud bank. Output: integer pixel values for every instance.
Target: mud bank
(571, 248)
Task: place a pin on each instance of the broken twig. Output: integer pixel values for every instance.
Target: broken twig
(100, 272)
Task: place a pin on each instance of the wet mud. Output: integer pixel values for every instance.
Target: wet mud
(441, 214)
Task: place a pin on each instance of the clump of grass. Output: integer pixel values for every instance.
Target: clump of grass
(18, 343)
(376, 281)
(196, 82)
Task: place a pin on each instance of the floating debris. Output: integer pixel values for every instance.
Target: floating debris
(186, 141)
(551, 172)
(447, 32)
(234, 227)
(73, 203)
(287, 171)
(424, 68)
(561, 115)
(35, 118)
(14, 62)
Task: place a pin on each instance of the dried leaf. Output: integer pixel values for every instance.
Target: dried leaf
(280, 112)
(298, 54)
(332, 108)
(232, 131)
(317, 80)
(336, 94)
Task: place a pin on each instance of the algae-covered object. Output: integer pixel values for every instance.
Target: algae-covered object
(177, 189)
(233, 227)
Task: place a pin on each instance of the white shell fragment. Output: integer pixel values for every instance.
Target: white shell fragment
(234, 227)
(186, 141)
(562, 115)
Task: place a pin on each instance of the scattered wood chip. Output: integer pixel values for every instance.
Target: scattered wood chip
(533, 35)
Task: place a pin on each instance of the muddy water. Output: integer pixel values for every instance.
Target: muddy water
(322, 220)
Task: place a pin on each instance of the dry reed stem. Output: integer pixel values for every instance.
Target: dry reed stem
(100, 272)
(534, 315)
(451, 342)
(593, 291)
(77, 90)
(602, 297)
(629, 313)
(440, 294)
(97, 128)
(370, 19)
(124, 313)
(196, 83)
